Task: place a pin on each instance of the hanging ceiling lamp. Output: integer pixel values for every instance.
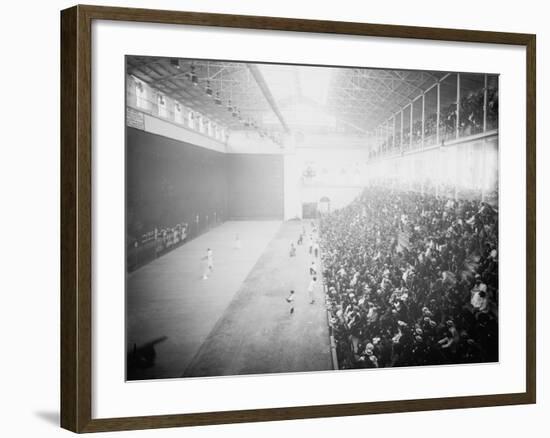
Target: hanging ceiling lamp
(194, 78)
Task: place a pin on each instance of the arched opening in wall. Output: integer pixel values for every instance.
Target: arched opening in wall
(324, 205)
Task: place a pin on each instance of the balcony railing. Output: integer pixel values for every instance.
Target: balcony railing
(454, 108)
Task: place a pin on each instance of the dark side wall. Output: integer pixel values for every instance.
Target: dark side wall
(169, 182)
(255, 186)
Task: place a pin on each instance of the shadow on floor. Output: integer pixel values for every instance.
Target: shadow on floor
(51, 417)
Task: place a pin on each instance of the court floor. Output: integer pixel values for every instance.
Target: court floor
(237, 321)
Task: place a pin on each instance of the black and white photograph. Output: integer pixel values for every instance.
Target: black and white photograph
(275, 219)
(287, 218)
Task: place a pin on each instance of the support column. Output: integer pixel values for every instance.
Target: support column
(485, 103)
(390, 131)
(401, 142)
(423, 117)
(457, 105)
(411, 128)
(483, 175)
(377, 138)
(393, 136)
(438, 112)
(386, 135)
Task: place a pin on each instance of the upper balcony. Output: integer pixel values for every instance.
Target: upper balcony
(455, 108)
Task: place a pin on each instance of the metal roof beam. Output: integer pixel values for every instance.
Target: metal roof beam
(260, 81)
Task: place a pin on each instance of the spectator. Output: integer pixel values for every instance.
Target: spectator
(428, 299)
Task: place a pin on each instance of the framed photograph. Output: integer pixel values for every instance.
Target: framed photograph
(270, 218)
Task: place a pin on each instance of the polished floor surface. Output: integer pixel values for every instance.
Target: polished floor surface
(237, 321)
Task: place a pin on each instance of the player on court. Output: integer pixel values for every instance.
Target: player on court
(311, 290)
(316, 248)
(292, 251)
(209, 263)
(210, 255)
(290, 300)
(238, 244)
(313, 269)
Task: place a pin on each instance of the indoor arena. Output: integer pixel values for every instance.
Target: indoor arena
(296, 218)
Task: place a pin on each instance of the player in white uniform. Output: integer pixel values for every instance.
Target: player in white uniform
(208, 263)
(311, 290)
(292, 251)
(316, 249)
(238, 244)
(210, 255)
(313, 269)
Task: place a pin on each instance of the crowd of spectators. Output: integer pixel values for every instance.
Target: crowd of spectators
(470, 123)
(411, 280)
(471, 114)
(152, 244)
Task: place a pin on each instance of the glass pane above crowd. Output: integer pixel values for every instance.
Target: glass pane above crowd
(457, 106)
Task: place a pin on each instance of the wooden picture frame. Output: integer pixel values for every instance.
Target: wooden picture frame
(76, 217)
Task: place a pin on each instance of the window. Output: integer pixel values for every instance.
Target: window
(200, 121)
(162, 106)
(448, 101)
(178, 113)
(141, 94)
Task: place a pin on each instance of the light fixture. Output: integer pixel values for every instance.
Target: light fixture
(229, 107)
(217, 99)
(194, 77)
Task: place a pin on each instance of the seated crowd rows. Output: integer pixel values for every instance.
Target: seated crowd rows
(163, 239)
(471, 122)
(143, 247)
(411, 280)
